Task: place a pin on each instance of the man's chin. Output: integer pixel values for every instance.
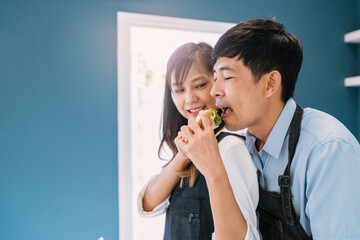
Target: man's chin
(229, 126)
(232, 127)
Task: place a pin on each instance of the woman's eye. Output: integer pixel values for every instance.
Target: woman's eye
(228, 78)
(177, 91)
(201, 85)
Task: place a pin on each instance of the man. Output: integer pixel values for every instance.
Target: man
(307, 160)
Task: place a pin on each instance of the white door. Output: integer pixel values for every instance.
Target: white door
(144, 45)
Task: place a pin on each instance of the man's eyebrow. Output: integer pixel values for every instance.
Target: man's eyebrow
(225, 68)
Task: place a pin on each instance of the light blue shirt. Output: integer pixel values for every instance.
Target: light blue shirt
(324, 173)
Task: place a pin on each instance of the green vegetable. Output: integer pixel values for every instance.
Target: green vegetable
(217, 118)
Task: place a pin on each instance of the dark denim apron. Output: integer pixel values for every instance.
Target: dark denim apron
(189, 216)
(277, 218)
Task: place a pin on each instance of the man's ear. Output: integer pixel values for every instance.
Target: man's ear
(273, 84)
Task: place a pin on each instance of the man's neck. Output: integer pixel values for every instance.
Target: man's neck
(259, 144)
(265, 124)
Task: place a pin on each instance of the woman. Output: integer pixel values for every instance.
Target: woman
(180, 190)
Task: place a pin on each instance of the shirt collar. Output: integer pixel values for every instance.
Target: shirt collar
(277, 135)
(250, 143)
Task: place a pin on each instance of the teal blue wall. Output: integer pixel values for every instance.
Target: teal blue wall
(358, 64)
(58, 109)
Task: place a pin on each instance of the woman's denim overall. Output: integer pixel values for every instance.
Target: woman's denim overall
(189, 214)
(277, 218)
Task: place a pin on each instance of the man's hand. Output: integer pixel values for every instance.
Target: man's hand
(201, 146)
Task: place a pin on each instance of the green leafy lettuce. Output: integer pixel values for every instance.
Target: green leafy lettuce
(217, 118)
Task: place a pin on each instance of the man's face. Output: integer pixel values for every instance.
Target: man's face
(241, 99)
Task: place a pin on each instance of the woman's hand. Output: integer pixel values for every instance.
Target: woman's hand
(181, 156)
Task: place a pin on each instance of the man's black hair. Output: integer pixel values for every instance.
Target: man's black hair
(264, 46)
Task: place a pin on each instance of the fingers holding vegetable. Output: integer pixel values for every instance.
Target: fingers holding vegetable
(202, 147)
(209, 117)
(214, 118)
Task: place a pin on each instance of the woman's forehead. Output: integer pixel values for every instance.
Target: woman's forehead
(194, 71)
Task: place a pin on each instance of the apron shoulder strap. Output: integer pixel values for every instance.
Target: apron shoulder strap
(221, 135)
(284, 180)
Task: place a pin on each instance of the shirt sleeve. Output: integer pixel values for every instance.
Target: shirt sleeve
(333, 183)
(243, 180)
(158, 210)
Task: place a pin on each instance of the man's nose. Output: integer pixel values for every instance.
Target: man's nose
(217, 89)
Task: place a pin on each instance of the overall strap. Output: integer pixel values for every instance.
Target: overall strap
(284, 180)
(221, 135)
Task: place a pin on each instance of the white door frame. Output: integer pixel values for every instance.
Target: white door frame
(124, 22)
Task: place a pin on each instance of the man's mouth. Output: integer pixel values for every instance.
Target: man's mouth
(226, 111)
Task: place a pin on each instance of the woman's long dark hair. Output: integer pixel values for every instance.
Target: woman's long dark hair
(180, 63)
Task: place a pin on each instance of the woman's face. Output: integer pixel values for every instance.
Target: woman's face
(193, 94)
